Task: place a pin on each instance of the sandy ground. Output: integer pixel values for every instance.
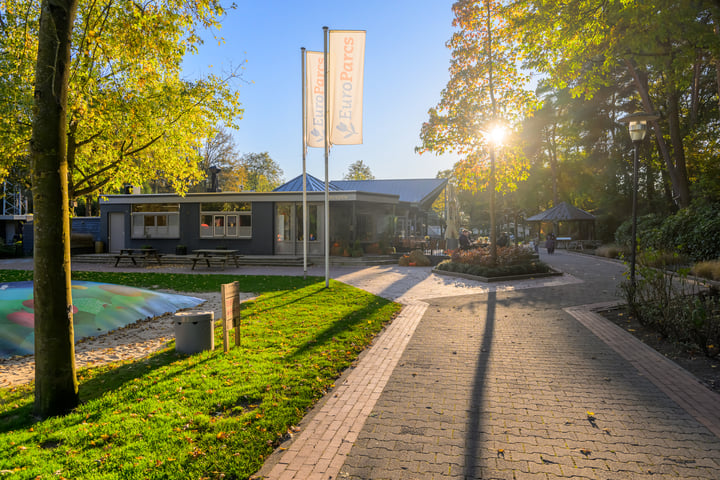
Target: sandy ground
(133, 341)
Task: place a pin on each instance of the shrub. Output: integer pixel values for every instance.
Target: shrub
(662, 259)
(693, 231)
(675, 307)
(611, 251)
(505, 256)
(416, 258)
(709, 269)
(510, 261)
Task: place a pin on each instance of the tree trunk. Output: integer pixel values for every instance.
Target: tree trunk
(56, 388)
(677, 172)
(681, 187)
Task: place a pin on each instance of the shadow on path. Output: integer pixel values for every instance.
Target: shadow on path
(473, 438)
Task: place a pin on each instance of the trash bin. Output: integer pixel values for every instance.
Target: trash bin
(194, 331)
(99, 247)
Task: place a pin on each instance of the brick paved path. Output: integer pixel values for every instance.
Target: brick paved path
(499, 385)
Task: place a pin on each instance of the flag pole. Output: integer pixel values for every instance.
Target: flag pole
(304, 157)
(327, 154)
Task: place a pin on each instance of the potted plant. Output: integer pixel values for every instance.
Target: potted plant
(181, 250)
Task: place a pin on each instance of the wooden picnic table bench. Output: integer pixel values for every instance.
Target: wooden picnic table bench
(213, 256)
(133, 254)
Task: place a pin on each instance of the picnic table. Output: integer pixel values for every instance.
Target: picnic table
(217, 256)
(562, 242)
(133, 254)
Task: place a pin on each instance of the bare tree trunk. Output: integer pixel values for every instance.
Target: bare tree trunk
(554, 166)
(56, 388)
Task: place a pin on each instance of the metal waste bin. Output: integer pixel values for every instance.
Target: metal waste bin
(194, 331)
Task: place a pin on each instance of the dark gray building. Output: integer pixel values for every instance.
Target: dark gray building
(366, 213)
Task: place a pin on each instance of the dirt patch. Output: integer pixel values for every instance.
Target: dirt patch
(691, 358)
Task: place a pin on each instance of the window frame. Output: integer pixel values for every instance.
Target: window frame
(242, 214)
(148, 220)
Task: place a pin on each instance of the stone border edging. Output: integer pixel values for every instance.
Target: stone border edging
(529, 276)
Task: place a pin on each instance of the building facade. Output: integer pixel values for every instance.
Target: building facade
(365, 213)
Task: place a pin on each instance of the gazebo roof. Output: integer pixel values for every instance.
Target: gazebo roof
(562, 212)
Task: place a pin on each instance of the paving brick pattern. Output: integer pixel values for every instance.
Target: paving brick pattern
(320, 449)
(499, 386)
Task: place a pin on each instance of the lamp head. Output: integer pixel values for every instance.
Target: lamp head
(637, 124)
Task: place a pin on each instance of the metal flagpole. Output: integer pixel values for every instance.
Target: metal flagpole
(327, 154)
(304, 155)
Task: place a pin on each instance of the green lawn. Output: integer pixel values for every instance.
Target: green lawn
(210, 415)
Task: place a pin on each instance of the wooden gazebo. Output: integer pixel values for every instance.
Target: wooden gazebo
(565, 221)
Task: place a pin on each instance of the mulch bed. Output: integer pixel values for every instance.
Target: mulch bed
(692, 359)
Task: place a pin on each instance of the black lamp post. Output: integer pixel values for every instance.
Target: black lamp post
(637, 124)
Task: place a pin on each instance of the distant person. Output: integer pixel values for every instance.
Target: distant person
(464, 240)
(503, 240)
(550, 243)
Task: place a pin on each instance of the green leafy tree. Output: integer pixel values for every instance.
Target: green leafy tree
(359, 171)
(131, 116)
(56, 387)
(669, 49)
(259, 172)
(485, 88)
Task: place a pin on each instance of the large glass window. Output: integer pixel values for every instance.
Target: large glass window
(283, 219)
(312, 223)
(226, 220)
(155, 220)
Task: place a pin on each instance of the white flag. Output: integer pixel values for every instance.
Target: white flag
(314, 99)
(346, 61)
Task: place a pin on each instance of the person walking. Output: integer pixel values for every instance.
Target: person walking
(550, 243)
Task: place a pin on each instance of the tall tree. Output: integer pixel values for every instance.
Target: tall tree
(485, 88)
(56, 388)
(358, 170)
(220, 158)
(665, 46)
(131, 116)
(259, 172)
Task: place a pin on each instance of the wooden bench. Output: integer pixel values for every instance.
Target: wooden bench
(135, 254)
(219, 261)
(216, 256)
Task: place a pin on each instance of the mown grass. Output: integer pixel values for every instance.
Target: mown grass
(209, 415)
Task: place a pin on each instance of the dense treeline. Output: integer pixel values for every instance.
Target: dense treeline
(593, 63)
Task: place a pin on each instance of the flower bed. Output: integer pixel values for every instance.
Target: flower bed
(511, 261)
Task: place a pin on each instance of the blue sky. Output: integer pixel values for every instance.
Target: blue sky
(406, 68)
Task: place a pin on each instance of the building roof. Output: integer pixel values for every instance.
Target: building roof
(313, 185)
(561, 212)
(420, 191)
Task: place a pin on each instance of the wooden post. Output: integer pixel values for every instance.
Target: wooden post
(230, 310)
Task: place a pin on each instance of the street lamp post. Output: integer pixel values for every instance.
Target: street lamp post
(637, 125)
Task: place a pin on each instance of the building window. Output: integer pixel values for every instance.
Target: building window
(312, 223)
(155, 220)
(226, 220)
